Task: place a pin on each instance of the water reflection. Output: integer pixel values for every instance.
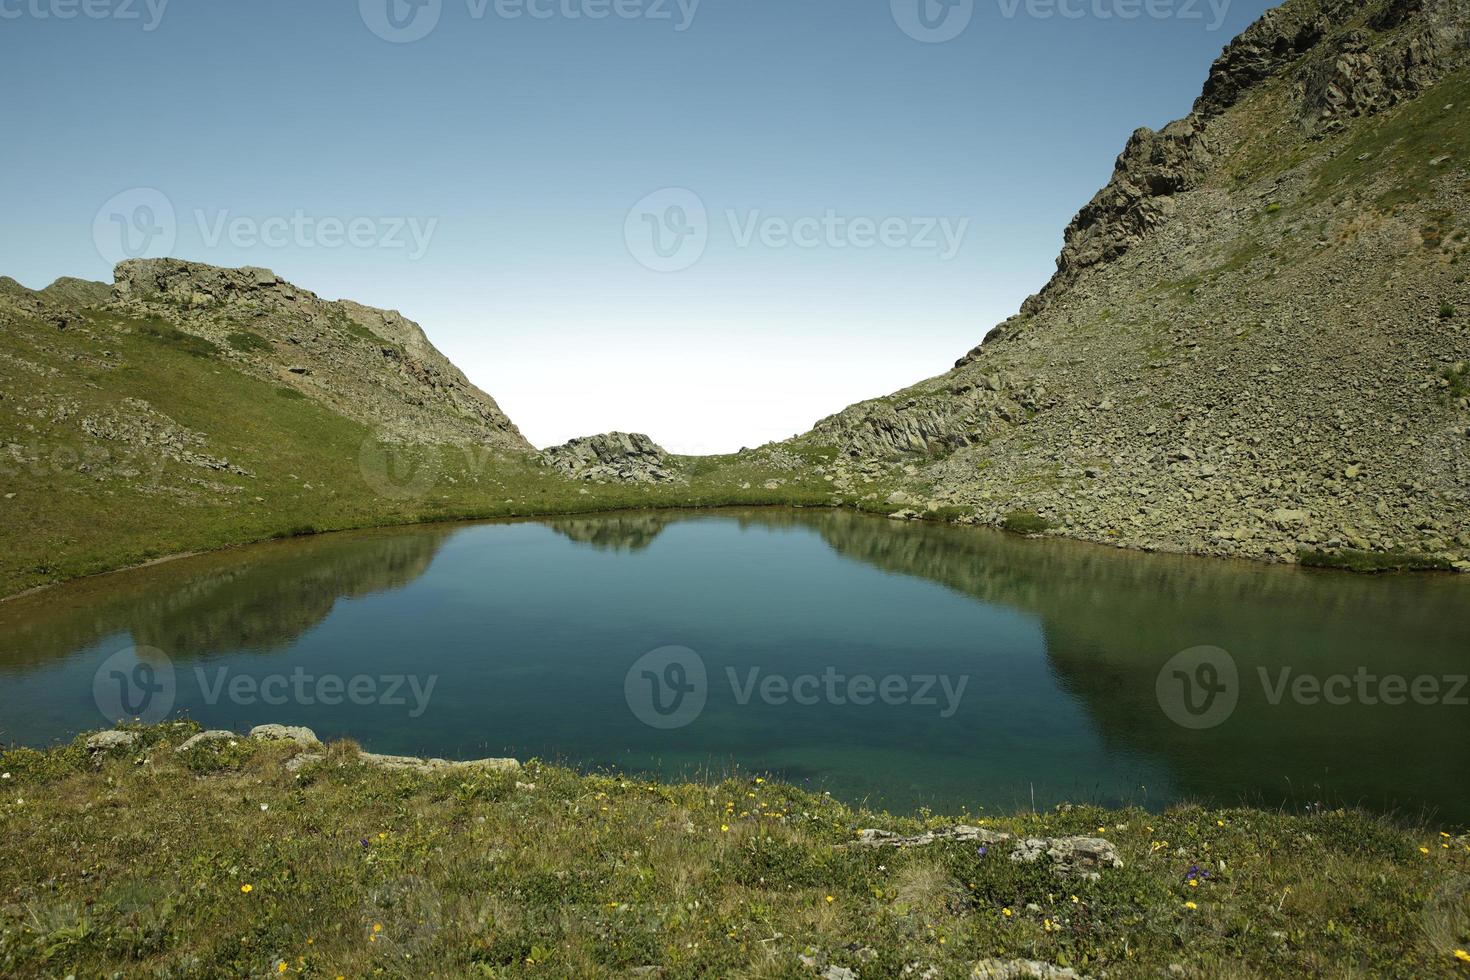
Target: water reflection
(1065, 643)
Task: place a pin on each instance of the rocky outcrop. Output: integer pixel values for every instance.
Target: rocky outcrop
(1255, 344)
(613, 457)
(374, 366)
(1340, 64)
(1085, 856)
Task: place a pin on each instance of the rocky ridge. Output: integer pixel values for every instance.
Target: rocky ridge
(613, 457)
(341, 353)
(1256, 341)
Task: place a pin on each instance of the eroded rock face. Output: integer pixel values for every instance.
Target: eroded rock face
(1339, 71)
(613, 457)
(373, 366)
(1245, 352)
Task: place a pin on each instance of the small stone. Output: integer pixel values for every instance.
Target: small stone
(110, 740)
(214, 735)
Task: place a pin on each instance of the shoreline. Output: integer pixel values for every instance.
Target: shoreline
(593, 509)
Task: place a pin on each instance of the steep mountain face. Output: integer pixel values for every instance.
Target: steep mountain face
(372, 366)
(1257, 336)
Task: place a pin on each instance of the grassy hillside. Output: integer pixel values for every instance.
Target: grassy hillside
(124, 438)
(221, 862)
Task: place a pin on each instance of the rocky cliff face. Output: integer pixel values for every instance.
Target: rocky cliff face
(1342, 60)
(613, 457)
(373, 366)
(1256, 339)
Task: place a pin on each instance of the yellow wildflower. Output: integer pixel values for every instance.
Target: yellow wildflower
(830, 899)
(247, 889)
(1191, 906)
(1006, 913)
(1462, 956)
(377, 927)
(724, 828)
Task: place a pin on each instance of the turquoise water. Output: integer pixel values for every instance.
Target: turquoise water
(898, 664)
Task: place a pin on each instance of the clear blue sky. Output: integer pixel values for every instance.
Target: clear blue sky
(518, 145)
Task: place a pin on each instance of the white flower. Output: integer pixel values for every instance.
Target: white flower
(264, 807)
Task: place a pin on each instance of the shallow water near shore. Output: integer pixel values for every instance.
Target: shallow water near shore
(903, 665)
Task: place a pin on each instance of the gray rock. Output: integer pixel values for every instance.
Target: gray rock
(409, 763)
(299, 734)
(111, 740)
(213, 735)
(620, 457)
(301, 760)
(997, 969)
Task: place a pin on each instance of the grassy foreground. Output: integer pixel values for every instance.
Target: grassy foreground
(221, 862)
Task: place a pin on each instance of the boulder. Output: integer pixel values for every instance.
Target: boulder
(110, 741)
(214, 735)
(302, 736)
(619, 457)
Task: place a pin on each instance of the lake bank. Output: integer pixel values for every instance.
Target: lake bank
(222, 860)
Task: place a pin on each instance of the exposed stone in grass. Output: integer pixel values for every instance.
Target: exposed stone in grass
(411, 763)
(111, 740)
(301, 735)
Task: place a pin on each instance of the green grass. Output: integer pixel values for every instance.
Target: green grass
(245, 340)
(1348, 559)
(221, 863)
(84, 503)
(1025, 522)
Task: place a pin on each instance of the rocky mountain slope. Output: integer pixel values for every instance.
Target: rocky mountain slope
(342, 354)
(1257, 336)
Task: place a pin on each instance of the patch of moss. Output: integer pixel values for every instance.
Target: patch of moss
(1350, 560)
(245, 341)
(1025, 522)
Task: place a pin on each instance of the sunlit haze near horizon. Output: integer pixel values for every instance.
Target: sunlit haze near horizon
(711, 222)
